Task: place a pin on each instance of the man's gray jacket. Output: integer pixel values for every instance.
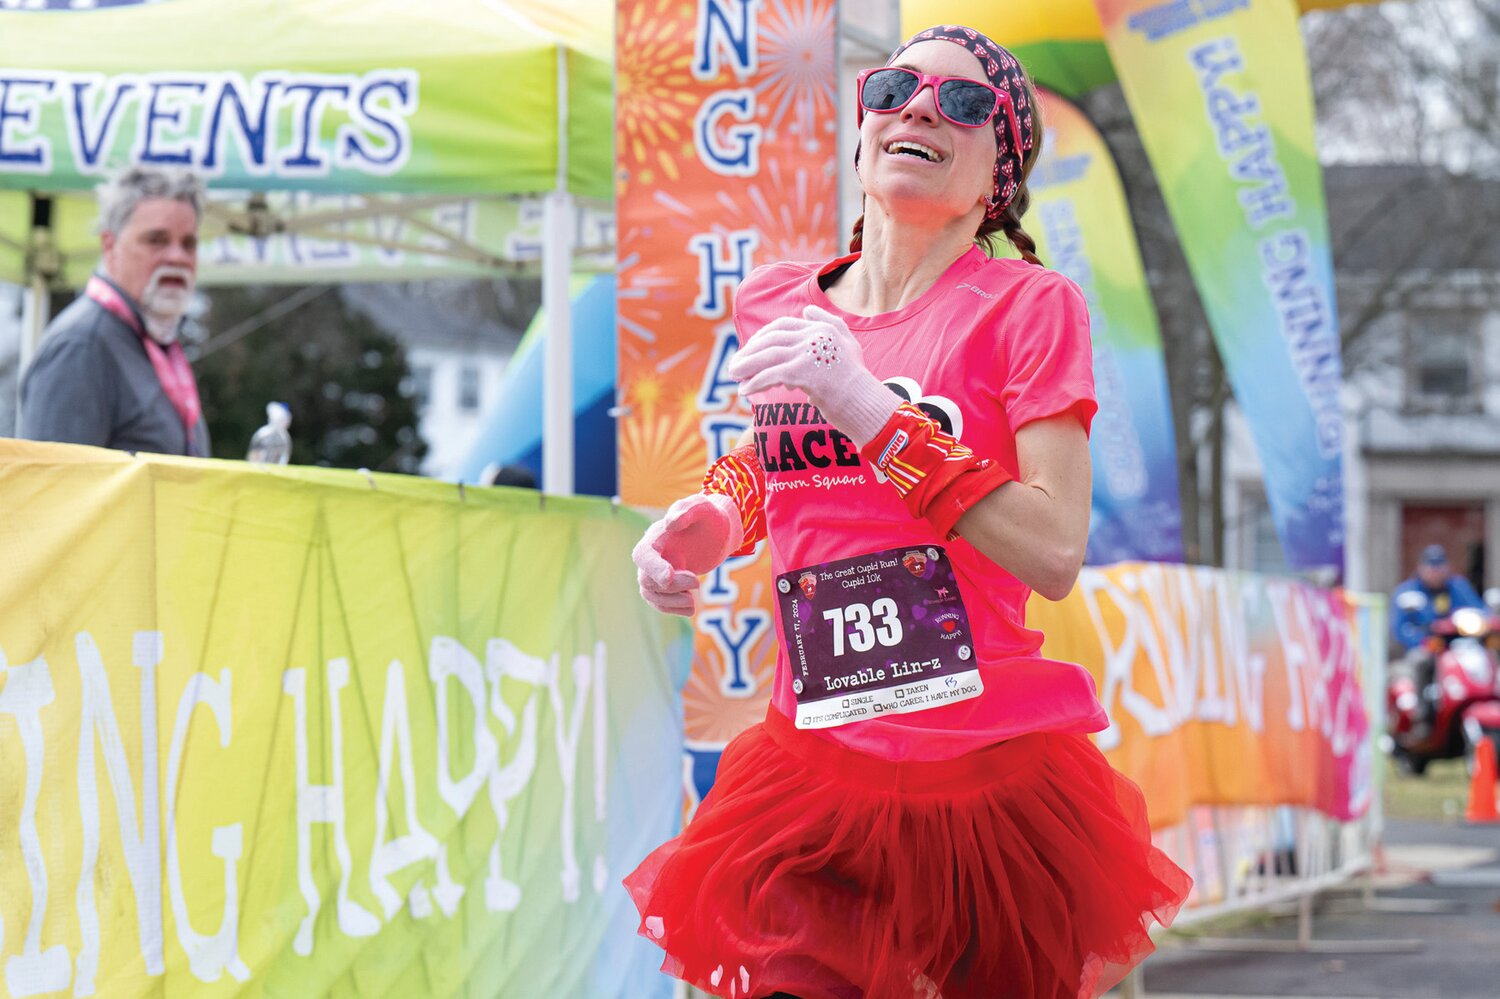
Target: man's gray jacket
(93, 383)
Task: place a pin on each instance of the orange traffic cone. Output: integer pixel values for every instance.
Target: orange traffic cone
(1482, 787)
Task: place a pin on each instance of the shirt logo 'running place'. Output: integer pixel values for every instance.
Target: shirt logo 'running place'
(795, 437)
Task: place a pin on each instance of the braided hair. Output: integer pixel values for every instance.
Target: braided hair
(1009, 222)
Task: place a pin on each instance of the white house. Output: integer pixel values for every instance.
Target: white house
(457, 357)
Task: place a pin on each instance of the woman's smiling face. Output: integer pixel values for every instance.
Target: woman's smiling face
(915, 159)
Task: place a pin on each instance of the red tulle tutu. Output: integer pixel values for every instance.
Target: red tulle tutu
(1024, 869)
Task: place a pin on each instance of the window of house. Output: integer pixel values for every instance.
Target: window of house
(1442, 355)
(468, 388)
(1266, 553)
(1258, 545)
(421, 385)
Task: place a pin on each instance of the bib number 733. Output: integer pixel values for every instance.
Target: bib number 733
(858, 627)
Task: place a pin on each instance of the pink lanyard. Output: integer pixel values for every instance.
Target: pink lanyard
(170, 362)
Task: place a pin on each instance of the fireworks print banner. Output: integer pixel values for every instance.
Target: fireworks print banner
(1221, 94)
(1082, 227)
(726, 139)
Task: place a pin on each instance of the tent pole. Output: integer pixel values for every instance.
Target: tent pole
(36, 307)
(34, 315)
(557, 268)
(557, 359)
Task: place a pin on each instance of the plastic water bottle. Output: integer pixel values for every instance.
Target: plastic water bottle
(272, 445)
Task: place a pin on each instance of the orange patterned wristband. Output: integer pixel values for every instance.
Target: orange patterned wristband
(938, 477)
(739, 476)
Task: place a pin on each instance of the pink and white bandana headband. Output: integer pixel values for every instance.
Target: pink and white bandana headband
(1005, 74)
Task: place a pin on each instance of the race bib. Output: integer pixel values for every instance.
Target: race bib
(879, 634)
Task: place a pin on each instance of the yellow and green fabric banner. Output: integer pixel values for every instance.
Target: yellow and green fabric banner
(1221, 95)
(273, 732)
(1082, 227)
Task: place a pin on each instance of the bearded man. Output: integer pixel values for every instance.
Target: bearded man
(111, 371)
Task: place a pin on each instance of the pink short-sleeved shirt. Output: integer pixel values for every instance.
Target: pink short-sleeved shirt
(993, 345)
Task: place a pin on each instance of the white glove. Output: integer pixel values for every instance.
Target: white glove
(818, 355)
(693, 538)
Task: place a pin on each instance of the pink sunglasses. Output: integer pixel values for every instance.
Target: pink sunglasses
(966, 103)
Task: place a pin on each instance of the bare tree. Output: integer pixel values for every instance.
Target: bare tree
(1416, 85)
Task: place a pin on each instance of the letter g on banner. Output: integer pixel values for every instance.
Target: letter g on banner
(737, 153)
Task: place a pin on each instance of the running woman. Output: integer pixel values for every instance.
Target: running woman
(922, 812)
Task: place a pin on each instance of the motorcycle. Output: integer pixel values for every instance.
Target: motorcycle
(1462, 700)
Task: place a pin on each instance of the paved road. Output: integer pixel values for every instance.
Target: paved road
(1459, 959)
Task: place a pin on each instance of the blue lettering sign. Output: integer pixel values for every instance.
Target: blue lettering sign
(734, 641)
(718, 390)
(1163, 20)
(87, 149)
(1307, 324)
(1167, 19)
(738, 153)
(725, 26)
(382, 107)
(306, 127)
(1061, 171)
(20, 106)
(218, 123)
(721, 268)
(67, 6)
(1246, 147)
(250, 135)
(159, 109)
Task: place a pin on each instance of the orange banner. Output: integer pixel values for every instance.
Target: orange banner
(726, 140)
(1222, 688)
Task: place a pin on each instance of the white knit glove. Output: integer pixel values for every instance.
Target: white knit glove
(819, 356)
